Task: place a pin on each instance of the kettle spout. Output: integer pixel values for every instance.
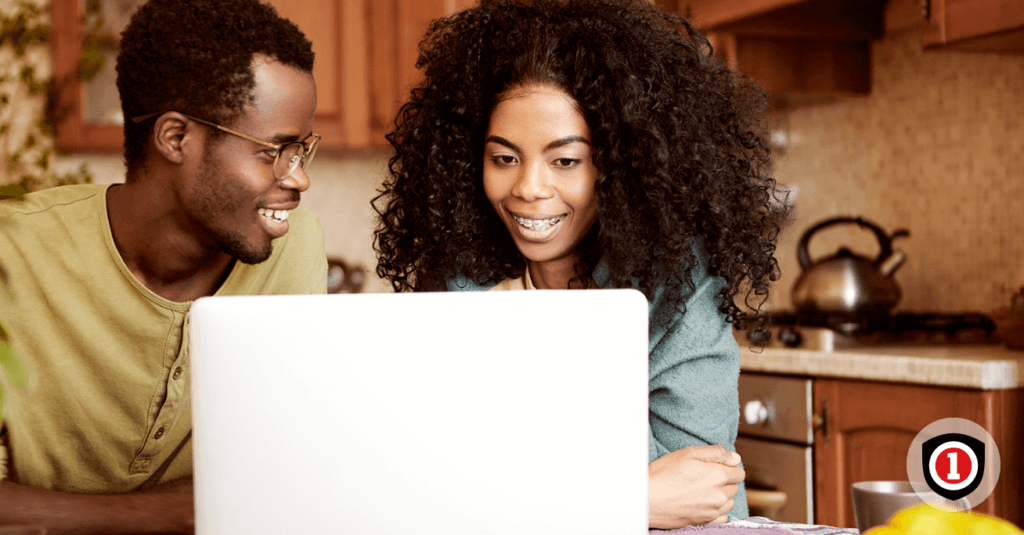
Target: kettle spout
(890, 264)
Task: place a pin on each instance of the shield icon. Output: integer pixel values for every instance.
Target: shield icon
(954, 464)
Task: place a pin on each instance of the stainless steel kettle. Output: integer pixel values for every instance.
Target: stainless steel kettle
(845, 283)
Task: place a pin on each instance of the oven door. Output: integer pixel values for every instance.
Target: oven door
(780, 479)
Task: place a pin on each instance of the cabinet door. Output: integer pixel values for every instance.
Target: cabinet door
(366, 54)
(395, 28)
(869, 428)
(980, 25)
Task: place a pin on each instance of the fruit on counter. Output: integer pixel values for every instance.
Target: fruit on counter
(924, 519)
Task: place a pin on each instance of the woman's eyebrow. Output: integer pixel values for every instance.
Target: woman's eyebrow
(561, 142)
(502, 141)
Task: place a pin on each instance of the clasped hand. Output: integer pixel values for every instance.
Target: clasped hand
(693, 486)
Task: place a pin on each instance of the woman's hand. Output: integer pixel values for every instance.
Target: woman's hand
(693, 486)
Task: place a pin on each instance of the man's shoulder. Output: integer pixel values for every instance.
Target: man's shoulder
(41, 201)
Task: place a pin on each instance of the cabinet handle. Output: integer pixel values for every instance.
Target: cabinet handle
(820, 421)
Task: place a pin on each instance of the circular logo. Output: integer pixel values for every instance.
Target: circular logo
(953, 463)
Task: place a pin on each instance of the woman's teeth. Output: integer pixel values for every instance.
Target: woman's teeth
(279, 215)
(540, 225)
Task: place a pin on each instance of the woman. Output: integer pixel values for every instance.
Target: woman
(595, 144)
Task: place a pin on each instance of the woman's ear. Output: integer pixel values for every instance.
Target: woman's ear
(169, 134)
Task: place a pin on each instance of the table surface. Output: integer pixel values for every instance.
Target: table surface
(759, 526)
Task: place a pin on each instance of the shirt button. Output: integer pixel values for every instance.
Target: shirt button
(159, 433)
(177, 373)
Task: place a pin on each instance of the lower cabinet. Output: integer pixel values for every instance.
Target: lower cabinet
(866, 429)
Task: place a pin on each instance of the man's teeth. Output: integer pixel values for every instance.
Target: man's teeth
(539, 225)
(280, 215)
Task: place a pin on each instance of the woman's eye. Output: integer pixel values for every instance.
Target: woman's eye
(566, 163)
(503, 159)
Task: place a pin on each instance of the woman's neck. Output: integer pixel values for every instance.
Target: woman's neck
(552, 274)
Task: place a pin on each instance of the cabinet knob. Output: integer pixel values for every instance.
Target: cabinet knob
(755, 412)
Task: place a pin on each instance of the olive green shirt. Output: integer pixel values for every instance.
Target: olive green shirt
(107, 400)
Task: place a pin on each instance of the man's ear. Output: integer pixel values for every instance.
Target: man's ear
(169, 135)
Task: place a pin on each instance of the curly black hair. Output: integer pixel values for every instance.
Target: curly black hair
(678, 141)
(196, 57)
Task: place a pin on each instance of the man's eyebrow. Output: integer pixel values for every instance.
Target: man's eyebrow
(281, 139)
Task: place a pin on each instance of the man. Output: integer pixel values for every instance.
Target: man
(218, 99)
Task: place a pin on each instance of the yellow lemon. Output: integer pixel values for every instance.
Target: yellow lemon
(883, 530)
(923, 519)
(979, 524)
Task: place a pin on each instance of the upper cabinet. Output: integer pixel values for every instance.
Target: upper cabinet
(975, 25)
(797, 50)
(366, 54)
(811, 50)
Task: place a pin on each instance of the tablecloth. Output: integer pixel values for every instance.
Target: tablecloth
(757, 525)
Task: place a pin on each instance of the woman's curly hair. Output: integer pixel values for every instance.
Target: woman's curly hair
(676, 140)
(195, 57)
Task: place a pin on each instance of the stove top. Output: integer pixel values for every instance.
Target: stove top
(829, 332)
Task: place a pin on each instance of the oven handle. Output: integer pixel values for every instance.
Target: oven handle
(768, 501)
(820, 421)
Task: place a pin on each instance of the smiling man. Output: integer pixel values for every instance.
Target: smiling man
(219, 100)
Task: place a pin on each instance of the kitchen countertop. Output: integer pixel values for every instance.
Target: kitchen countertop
(978, 366)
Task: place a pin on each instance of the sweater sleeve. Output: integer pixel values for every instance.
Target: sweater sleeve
(694, 368)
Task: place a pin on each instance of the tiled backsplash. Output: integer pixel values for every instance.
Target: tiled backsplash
(936, 148)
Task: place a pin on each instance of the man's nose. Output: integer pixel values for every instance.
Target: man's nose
(533, 183)
(297, 180)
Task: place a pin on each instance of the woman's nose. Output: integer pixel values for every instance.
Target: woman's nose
(532, 183)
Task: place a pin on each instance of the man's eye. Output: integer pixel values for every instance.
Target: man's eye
(271, 153)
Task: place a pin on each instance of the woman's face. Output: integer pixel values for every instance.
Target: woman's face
(539, 172)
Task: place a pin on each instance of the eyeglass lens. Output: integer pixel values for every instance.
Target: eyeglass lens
(292, 156)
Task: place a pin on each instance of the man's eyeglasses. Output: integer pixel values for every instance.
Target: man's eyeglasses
(287, 157)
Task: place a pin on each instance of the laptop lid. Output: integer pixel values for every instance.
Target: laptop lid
(462, 412)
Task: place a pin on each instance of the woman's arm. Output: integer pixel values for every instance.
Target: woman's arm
(694, 368)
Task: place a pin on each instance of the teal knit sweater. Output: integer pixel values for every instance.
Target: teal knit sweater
(694, 365)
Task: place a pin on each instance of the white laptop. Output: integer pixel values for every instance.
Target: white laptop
(431, 413)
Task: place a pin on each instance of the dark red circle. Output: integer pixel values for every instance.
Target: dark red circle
(944, 465)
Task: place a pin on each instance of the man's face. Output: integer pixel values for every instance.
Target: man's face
(232, 198)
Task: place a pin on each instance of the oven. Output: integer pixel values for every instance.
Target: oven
(776, 437)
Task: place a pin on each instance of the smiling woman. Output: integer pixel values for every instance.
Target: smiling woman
(539, 175)
(585, 144)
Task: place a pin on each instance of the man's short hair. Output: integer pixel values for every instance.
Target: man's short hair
(196, 57)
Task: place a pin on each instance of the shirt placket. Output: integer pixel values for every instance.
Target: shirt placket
(175, 402)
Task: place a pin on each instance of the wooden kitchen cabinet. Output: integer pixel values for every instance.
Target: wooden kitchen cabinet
(366, 52)
(867, 429)
(975, 25)
(797, 50)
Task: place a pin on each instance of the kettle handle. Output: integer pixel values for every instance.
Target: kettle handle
(884, 240)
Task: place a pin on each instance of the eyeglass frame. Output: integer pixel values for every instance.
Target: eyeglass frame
(304, 159)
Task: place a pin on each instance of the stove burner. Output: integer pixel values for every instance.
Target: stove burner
(950, 324)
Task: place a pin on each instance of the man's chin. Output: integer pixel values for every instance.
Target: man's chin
(254, 257)
(246, 253)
